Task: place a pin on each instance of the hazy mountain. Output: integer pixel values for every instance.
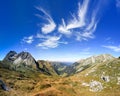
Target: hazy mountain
(60, 67)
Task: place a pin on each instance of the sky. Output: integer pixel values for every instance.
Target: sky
(60, 30)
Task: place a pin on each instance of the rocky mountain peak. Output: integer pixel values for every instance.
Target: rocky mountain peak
(25, 55)
(20, 58)
(10, 56)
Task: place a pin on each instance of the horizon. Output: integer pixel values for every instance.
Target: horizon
(41, 27)
(62, 60)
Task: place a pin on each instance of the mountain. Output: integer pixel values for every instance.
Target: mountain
(91, 61)
(22, 61)
(88, 62)
(22, 58)
(47, 67)
(100, 76)
(60, 67)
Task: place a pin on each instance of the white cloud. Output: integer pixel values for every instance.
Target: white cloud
(50, 41)
(80, 25)
(114, 48)
(63, 29)
(28, 40)
(118, 3)
(50, 25)
(87, 33)
(77, 20)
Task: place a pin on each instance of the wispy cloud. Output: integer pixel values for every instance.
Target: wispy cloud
(109, 41)
(50, 25)
(28, 40)
(77, 20)
(118, 3)
(80, 25)
(114, 48)
(49, 41)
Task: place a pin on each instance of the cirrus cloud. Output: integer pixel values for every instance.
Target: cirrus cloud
(50, 25)
(81, 26)
(49, 41)
(113, 48)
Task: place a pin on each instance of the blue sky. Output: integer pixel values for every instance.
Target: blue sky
(60, 30)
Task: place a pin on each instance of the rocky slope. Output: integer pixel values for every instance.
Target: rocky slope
(102, 78)
(88, 62)
(47, 67)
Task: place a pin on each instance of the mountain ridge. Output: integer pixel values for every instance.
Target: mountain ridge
(101, 77)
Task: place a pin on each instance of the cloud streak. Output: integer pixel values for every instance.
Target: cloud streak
(113, 48)
(50, 25)
(81, 25)
(49, 41)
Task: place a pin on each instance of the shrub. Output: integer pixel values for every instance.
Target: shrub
(45, 86)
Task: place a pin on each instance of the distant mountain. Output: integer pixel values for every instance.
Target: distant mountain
(88, 62)
(60, 67)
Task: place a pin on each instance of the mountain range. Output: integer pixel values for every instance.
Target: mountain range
(96, 75)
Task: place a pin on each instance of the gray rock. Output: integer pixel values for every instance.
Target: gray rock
(3, 86)
(10, 57)
(95, 86)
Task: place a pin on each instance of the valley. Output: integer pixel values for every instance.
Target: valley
(93, 76)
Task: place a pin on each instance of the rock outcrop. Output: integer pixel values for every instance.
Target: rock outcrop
(3, 86)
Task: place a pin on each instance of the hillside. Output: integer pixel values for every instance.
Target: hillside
(100, 78)
(88, 62)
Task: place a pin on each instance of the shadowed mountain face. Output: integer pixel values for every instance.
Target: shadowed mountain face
(47, 67)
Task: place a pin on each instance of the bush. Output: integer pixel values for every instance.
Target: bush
(45, 86)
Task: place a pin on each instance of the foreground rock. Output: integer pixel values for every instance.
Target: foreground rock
(3, 86)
